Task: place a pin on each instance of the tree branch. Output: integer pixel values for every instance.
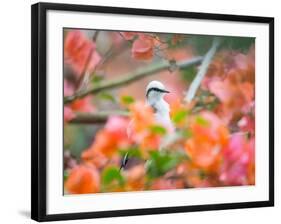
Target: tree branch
(132, 77)
(85, 74)
(202, 71)
(96, 117)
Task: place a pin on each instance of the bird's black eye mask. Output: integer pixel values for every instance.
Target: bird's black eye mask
(156, 90)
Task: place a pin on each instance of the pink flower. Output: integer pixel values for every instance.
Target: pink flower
(117, 126)
(247, 124)
(67, 88)
(77, 50)
(238, 161)
(143, 47)
(68, 114)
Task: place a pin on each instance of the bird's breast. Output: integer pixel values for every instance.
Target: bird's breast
(165, 121)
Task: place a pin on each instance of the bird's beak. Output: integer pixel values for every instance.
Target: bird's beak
(166, 91)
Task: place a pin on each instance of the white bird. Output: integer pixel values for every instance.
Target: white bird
(155, 92)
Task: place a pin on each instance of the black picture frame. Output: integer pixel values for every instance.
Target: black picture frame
(39, 108)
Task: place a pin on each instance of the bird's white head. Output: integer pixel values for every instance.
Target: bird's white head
(155, 91)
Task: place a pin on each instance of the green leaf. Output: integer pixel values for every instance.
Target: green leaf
(132, 152)
(107, 96)
(212, 106)
(179, 116)
(127, 100)
(65, 175)
(97, 79)
(189, 73)
(238, 43)
(186, 133)
(202, 121)
(110, 175)
(157, 129)
(77, 138)
(201, 43)
(161, 162)
(202, 174)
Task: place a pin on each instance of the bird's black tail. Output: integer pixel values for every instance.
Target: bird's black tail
(124, 161)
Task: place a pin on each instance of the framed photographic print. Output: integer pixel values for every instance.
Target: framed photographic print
(139, 111)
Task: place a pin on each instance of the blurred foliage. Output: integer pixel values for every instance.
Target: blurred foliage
(96, 79)
(179, 116)
(111, 179)
(237, 43)
(189, 74)
(65, 175)
(158, 129)
(107, 97)
(203, 43)
(126, 100)
(132, 152)
(77, 138)
(161, 162)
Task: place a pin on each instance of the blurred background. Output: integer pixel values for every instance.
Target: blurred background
(105, 76)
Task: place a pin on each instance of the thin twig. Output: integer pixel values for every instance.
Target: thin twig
(95, 37)
(202, 71)
(85, 74)
(132, 77)
(97, 117)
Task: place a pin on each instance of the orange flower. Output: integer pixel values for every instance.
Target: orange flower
(135, 178)
(83, 105)
(142, 117)
(105, 143)
(209, 135)
(83, 179)
(196, 177)
(94, 157)
(139, 129)
(108, 141)
(150, 142)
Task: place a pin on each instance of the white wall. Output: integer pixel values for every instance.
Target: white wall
(15, 110)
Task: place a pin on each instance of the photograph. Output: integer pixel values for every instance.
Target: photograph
(139, 112)
(149, 111)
